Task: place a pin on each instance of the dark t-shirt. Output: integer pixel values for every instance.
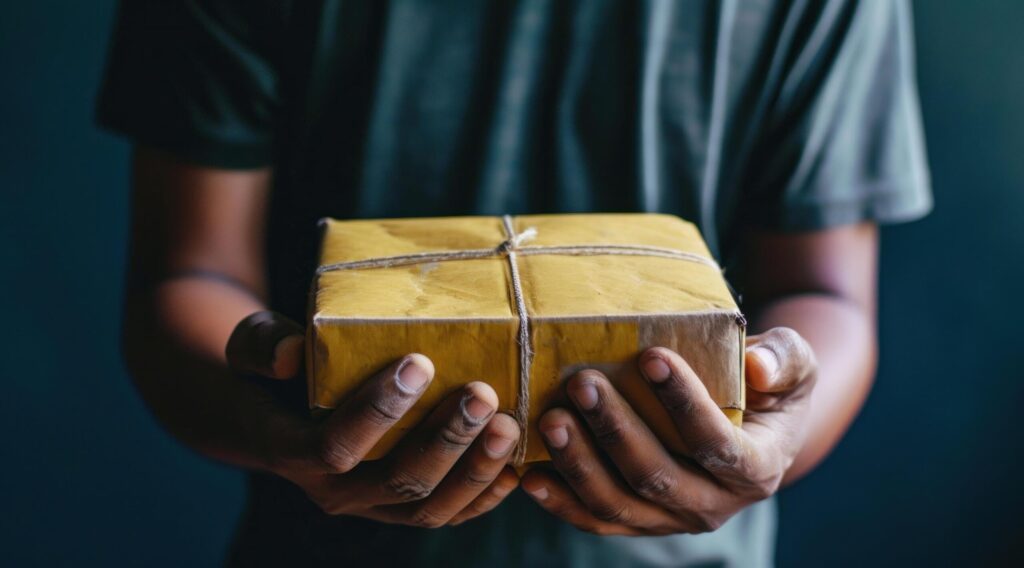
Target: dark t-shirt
(789, 115)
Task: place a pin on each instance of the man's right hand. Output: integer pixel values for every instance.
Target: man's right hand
(451, 468)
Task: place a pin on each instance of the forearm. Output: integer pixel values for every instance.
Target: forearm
(174, 340)
(189, 220)
(842, 334)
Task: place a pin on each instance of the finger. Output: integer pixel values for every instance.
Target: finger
(266, 343)
(781, 372)
(714, 442)
(506, 482)
(576, 458)
(640, 457)
(779, 360)
(354, 429)
(426, 456)
(473, 475)
(555, 497)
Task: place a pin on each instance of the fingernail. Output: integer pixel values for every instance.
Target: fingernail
(586, 396)
(475, 409)
(540, 494)
(497, 445)
(411, 376)
(287, 357)
(557, 437)
(501, 491)
(656, 370)
(769, 361)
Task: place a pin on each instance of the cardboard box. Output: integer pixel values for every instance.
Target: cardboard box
(597, 289)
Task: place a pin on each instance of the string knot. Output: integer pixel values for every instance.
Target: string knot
(513, 243)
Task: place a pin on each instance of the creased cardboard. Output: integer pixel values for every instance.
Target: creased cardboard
(597, 311)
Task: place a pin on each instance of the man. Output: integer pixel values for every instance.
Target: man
(786, 130)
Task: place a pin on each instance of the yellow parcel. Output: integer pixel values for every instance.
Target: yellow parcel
(595, 291)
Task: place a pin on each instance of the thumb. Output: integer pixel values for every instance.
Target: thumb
(779, 360)
(266, 343)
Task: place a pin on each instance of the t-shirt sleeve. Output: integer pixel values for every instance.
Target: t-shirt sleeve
(843, 141)
(194, 78)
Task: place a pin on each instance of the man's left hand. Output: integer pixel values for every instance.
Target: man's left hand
(617, 478)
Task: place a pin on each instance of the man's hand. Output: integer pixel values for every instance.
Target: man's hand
(640, 489)
(449, 469)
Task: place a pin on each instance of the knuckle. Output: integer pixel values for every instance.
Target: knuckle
(478, 478)
(382, 412)
(719, 456)
(455, 438)
(610, 433)
(427, 518)
(460, 518)
(337, 455)
(809, 362)
(504, 487)
(803, 352)
(706, 516)
(763, 491)
(597, 529)
(613, 513)
(765, 487)
(475, 508)
(790, 344)
(676, 401)
(408, 488)
(707, 522)
(562, 511)
(328, 505)
(761, 479)
(655, 484)
(576, 471)
(785, 335)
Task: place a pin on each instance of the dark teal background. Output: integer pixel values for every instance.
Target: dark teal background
(927, 475)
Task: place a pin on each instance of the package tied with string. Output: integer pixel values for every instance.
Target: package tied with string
(521, 303)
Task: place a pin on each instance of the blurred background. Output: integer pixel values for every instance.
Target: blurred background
(928, 475)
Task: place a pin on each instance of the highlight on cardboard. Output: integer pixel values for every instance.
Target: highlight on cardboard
(522, 303)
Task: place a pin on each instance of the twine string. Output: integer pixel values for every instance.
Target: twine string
(522, 410)
(511, 248)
